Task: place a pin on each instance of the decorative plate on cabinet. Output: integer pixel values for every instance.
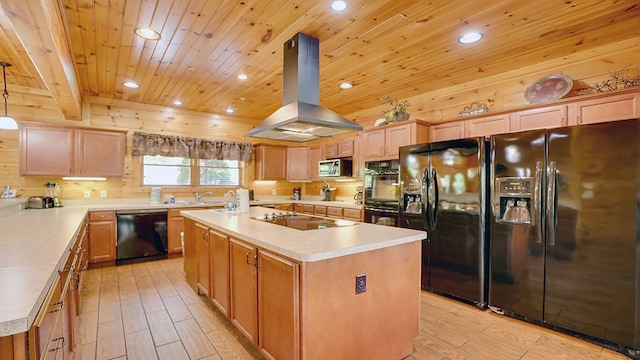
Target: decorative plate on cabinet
(549, 88)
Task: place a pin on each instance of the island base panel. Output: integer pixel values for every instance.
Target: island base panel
(380, 323)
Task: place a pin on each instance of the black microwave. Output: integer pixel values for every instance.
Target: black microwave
(334, 168)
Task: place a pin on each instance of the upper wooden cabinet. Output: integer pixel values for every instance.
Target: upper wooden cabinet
(539, 118)
(297, 167)
(447, 131)
(271, 162)
(383, 143)
(60, 151)
(314, 156)
(606, 108)
(474, 127)
(486, 125)
(338, 149)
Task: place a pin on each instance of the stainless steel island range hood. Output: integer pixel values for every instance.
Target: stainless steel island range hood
(301, 118)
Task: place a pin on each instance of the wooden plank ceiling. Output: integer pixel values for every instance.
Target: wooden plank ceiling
(74, 49)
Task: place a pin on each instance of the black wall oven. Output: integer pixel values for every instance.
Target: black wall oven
(381, 192)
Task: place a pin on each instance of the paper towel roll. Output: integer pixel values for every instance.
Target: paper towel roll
(242, 197)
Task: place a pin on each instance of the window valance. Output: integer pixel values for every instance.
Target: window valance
(178, 146)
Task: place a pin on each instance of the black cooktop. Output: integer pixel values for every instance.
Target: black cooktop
(303, 222)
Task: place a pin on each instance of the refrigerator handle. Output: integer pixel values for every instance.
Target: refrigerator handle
(551, 203)
(425, 197)
(536, 219)
(436, 200)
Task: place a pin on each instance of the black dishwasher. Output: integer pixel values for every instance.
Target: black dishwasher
(141, 234)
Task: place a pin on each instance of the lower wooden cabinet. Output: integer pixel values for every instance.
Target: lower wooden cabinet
(352, 214)
(175, 225)
(202, 250)
(243, 287)
(102, 236)
(219, 260)
(278, 306)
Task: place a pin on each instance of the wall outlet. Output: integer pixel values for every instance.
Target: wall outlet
(103, 194)
(87, 194)
(273, 192)
(361, 283)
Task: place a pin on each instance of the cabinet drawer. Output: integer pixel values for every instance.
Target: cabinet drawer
(352, 214)
(102, 215)
(320, 210)
(307, 209)
(334, 212)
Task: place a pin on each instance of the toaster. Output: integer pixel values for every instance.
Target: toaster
(40, 202)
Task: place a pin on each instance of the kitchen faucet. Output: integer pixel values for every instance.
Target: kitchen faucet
(200, 196)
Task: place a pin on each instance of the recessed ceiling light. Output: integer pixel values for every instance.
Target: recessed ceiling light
(177, 102)
(242, 77)
(345, 85)
(229, 110)
(131, 84)
(338, 5)
(470, 37)
(147, 33)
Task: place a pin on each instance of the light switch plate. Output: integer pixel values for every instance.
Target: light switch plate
(103, 194)
(361, 283)
(87, 194)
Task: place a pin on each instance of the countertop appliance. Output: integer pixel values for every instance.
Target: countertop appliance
(574, 264)
(40, 202)
(303, 222)
(141, 235)
(335, 168)
(381, 192)
(443, 188)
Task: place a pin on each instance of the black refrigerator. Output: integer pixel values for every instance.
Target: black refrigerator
(443, 188)
(564, 234)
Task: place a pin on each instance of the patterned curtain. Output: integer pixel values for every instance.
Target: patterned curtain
(167, 145)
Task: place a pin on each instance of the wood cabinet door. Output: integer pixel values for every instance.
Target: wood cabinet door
(189, 257)
(447, 131)
(175, 225)
(487, 125)
(99, 153)
(373, 144)
(352, 214)
(604, 109)
(315, 155)
(46, 151)
(219, 243)
(279, 307)
(334, 212)
(540, 118)
(297, 167)
(271, 162)
(345, 148)
(358, 160)
(102, 238)
(396, 137)
(330, 151)
(203, 259)
(243, 288)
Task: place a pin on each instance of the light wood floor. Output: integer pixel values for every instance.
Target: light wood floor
(147, 311)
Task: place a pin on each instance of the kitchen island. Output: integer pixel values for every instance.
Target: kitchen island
(330, 293)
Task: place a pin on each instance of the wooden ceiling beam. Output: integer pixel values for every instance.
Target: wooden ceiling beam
(40, 28)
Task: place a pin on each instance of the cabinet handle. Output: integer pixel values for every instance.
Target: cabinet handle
(564, 121)
(578, 119)
(255, 261)
(247, 258)
(59, 303)
(64, 342)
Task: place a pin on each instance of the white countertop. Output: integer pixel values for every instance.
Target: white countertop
(304, 246)
(34, 242)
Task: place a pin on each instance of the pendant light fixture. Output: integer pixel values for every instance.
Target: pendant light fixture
(6, 122)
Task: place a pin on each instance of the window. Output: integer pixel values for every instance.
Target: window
(219, 172)
(181, 171)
